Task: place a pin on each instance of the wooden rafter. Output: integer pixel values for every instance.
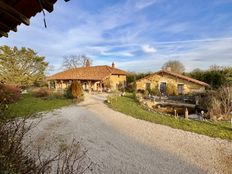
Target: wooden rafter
(12, 13)
(6, 27)
(47, 5)
(3, 33)
(15, 14)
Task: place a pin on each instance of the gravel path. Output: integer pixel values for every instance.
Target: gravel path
(121, 144)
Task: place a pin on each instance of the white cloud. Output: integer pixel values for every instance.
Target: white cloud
(117, 34)
(117, 53)
(177, 27)
(192, 53)
(141, 4)
(148, 49)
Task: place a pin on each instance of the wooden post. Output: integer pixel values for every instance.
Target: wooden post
(186, 114)
(89, 85)
(49, 85)
(231, 122)
(55, 84)
(101, 86)
(61, 84)
(175, 113)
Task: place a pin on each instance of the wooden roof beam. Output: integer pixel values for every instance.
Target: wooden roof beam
(3, 33)
(14, 13)
(6, 27)
(47, 5)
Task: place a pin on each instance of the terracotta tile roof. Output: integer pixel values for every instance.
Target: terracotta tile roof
(87, 73)
(178, 76)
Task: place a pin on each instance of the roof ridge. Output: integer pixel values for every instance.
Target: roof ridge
(93, 72)
(178, 75)
(184, 76)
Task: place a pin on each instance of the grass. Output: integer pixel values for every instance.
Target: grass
(29, 105)
(129, 106)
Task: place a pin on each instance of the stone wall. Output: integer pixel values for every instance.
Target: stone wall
(155, 80)
(115, 80)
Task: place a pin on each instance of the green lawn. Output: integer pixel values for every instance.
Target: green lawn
(130, 107)
(29, 104)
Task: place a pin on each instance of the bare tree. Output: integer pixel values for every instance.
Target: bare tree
(75, 61)
(50, 69)
(174, 66)
(215, 68)
(196, 70)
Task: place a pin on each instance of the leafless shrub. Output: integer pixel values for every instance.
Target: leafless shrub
(68, 159)
(16, 157)
(113, 97)
(220, 103)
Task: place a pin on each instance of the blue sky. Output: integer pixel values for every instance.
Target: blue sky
(138, 35)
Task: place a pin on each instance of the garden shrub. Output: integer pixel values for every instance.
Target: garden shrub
(77, 91)
(68, 93)
(220, 103)
(108, 83)
(155, 91)
(113, 96)
(41, 93)
(171, 89)
(18, 156)
(131, 87)
(8, 94)
(120, 87)
(56, 95)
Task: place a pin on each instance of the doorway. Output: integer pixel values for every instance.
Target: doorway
(180, 89)
(163, 87)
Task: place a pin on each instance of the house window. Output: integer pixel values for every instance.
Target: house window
(180, 89)
(148, 86)
(163, 87)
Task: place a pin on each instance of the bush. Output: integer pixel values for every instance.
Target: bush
(18, 157)
(56, 95)
(8, 94)
(220, 103)
(171, 89)
(77, 91)
(121, 87)
(155, 91)
(68, 93)
(41, 92)
(113, 96)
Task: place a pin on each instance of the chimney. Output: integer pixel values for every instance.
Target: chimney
(87, 63)
(113, 65)
(169, 69)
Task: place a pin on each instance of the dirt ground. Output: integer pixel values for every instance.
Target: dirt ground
(117, 143)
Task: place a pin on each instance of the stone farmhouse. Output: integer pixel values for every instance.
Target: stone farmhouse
(92, 78)
(162, 80)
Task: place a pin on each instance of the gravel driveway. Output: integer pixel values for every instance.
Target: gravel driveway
(121, 144)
